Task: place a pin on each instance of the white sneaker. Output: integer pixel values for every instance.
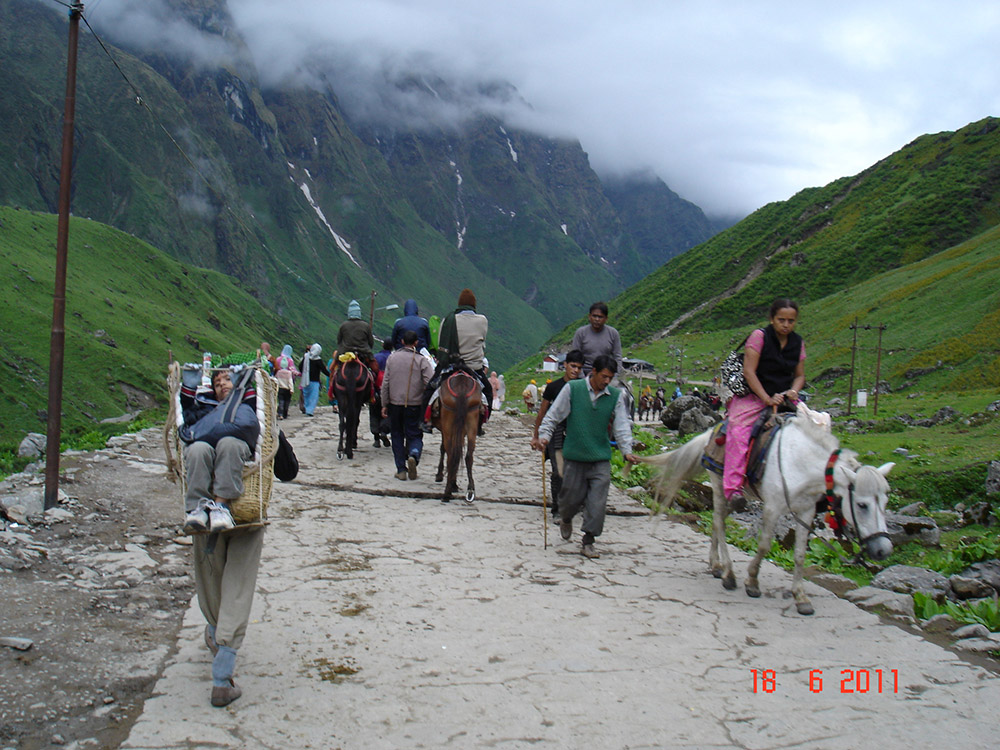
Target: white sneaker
(219, 517)
(196, 520)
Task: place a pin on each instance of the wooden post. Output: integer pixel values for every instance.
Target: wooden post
(57, 341)
(878, 364)
(854, 348)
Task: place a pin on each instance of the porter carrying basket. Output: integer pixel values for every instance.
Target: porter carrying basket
(258, 476)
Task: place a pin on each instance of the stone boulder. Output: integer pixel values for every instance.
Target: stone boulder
(906, 579)
(674, 410)
(970, 588)
(32, 446)
(988, 572)
(977, 514)
(889, 603)
(993, 478)
(912, 528)
(694, 421)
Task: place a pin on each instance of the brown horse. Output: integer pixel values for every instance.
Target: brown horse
(458, 421)
(351, 385)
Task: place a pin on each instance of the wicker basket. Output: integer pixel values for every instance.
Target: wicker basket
(258, 477)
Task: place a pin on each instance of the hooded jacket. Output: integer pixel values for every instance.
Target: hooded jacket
(355, 335)
(411, 322)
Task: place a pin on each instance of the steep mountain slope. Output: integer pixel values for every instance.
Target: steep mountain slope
(934, 193)
(646, 205)
(304, 207)
(127, 306)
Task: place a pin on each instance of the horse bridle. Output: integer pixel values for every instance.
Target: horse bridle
(834, 504)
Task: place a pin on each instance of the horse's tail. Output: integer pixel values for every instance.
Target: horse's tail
(676, 466)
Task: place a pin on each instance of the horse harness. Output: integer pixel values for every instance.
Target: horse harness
(362, 382)
(831, 504)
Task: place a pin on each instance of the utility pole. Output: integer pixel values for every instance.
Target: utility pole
(371, 317)
(854, 349)
(878, 364)
(57, 342)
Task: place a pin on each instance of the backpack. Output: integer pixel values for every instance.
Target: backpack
(731, 372)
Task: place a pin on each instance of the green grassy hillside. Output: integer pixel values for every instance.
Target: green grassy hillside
(936, 192)
(128, 306)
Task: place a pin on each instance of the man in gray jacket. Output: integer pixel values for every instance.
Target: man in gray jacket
(406, 375)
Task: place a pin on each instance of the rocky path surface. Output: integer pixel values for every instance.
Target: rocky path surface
(386, 619)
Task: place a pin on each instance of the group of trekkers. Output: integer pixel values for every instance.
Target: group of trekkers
(576, 415)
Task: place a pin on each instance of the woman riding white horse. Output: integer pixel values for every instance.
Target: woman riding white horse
(805, 465)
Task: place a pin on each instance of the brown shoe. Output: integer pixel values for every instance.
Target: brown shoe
(411, 467)
(401, 475)
(223, 696)
(210, 642)
(566, 529)
(588, 551)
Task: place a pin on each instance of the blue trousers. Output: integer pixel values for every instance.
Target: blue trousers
(311, 396)
(404, 431)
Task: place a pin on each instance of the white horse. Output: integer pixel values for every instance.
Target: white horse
(795, 477)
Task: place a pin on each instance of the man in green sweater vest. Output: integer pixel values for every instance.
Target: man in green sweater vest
(588, 406)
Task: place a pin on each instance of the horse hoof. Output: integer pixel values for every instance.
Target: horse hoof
(729, 582)
(340, 456)
(717, 572)
(804, 608)
(470, 497)
(753, 591)
(445, 499)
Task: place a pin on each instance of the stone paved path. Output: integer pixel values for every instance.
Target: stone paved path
(394, 621)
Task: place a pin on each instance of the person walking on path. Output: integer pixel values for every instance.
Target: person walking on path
(597, 338)
(572, 369)
(407, 373)
(411, 321)
(312, 367)
(774, 368)
(530, 396)
(377, 423)
(495, 385)
(588, 406)
(225, 564)
(285, 374)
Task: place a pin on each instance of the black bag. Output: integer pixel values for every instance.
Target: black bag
(286, 466)
(731, 372)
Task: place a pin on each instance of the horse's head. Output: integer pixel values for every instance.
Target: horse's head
(864, 493)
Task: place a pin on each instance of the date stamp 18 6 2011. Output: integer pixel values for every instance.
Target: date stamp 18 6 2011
(851, 681)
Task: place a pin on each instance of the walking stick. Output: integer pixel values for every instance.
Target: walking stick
(545, 507)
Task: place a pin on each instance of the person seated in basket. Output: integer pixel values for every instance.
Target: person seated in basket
(220, 437)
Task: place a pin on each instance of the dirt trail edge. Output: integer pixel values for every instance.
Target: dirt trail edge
(385, 621)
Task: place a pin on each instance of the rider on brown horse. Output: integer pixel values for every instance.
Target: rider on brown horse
(462, 345)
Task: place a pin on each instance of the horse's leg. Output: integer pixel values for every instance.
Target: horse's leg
(769, 520)
(471, 430)
(718, 555)
(802, 604)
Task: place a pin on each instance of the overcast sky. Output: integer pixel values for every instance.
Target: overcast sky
(733, 103)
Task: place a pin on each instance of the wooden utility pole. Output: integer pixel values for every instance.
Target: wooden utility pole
(854, 349)
(57, 342)
(878, 364)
